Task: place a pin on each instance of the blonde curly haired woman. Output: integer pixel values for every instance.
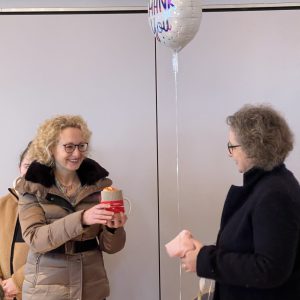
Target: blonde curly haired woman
(62, 221)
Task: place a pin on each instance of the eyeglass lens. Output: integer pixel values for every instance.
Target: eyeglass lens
(71, 147)
(231, 147)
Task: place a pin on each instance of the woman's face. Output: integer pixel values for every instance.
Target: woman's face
(25, 165)
(238, 154)
(69, 162)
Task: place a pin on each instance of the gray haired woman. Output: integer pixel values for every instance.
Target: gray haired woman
(257, 253)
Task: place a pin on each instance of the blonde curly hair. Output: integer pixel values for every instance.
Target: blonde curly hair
(48, 133)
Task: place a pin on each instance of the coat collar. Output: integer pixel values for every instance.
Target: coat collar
(238, 195)
(14, 193)
(89, 173)
(254, 174)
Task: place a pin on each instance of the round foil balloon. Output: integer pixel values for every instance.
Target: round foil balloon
(174, 23)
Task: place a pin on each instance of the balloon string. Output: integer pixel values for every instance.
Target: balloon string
(175, 65)
(175, 70)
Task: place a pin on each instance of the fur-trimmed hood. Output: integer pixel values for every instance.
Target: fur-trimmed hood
(40, 181)
(89, 173)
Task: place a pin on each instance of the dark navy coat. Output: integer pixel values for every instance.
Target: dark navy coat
(257, 254)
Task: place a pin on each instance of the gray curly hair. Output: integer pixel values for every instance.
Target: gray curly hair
(263, 134)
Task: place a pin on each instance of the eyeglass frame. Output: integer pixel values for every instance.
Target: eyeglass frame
(231, 147)
(75, 146)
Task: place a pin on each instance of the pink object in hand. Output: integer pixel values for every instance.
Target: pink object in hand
(181, 244)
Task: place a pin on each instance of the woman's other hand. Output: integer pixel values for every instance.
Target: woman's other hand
(10, 288)
(118, 220)
(188, 262)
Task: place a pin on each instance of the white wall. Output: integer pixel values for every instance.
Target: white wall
(103, 67)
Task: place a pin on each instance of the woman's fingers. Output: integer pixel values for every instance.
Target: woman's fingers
(117, 221)
(97, 214)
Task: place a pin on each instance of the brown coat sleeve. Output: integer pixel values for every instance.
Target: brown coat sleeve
(18, 277)
(112, 242)
(20, 258)
(43, 237)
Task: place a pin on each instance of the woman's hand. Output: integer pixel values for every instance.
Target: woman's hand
(118, 220)
(188, 262)
(10, 289)
(1, 290)
(97, 215)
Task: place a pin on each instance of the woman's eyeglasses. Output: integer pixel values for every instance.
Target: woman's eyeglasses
(231, 147)
(70, 148)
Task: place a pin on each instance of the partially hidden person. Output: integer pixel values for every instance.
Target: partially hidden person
(13, 249)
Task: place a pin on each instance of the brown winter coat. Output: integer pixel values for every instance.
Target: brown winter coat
(13, 250)
(49, 222)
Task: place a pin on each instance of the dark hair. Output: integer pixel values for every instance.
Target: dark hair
(263, 134)
(24, 152)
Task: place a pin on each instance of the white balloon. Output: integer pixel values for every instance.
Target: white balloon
(174, 23)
